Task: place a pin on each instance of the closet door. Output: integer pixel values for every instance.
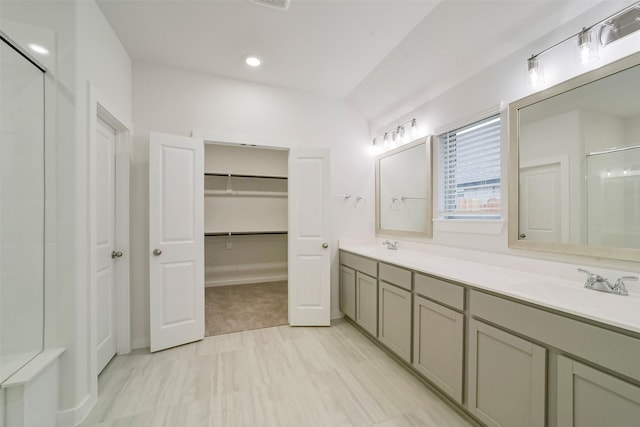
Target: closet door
(309, 260)
(176, 240)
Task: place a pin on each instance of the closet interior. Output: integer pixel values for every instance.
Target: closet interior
(246, 221)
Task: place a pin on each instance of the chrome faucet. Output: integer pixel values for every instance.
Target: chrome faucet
(393, 246)
(599, 283)
(620, 288)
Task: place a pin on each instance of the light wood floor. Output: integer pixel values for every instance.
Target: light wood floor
(278, 376)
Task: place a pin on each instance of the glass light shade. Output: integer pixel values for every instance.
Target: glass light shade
(587, 48)
(535, 72)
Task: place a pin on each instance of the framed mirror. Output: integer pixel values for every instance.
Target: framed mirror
(403, 191)
(574, 165)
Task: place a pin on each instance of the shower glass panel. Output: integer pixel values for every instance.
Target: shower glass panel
(613, 198)
(22, 204)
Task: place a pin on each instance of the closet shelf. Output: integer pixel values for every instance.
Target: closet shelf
(244, 193)
(241, 233)
(235, 175)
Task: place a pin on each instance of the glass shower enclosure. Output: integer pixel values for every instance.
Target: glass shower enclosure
(22, 208)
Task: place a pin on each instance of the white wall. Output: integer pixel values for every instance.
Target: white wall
(225, 110)
(488, 91)
(84, 48)
(101, 60)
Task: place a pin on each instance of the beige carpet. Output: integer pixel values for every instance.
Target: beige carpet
(245, 307)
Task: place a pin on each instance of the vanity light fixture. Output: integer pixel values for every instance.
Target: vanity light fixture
(620, 25)
(397, 134)
(535, 72)
(616, 26)
(587, 46)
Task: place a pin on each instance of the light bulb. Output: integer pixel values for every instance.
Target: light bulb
(535, 72)
(253, 61)
(587, 47)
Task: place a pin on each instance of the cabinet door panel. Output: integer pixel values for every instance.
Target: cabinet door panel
(367, 303)
(438, 338)
(506, 378)
(590, 398)
(348, 292)
(394, 320)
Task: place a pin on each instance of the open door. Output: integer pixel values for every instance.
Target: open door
(176, 240)
(309, 255)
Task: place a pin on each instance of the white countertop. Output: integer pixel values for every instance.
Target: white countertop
(563, 295)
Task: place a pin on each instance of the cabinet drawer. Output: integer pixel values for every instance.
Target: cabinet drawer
(395, 275)
(445, 292)
(359, 263)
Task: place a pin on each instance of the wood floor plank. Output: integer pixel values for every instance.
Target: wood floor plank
(280, 376)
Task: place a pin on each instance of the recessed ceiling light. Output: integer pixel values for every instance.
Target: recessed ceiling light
(253, 61)
(38, 49)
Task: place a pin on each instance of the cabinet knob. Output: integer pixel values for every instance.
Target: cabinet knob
(522, 236)
(157, 252)
(325, 245)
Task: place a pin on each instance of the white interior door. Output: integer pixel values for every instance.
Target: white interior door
(176, 240)
(309, 255)
(540, 203)
(105, 248)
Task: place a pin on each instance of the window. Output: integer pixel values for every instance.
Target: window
(470, 171)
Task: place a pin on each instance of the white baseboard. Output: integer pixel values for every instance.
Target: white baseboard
(336, 315)
(74, 416)
(246, 280)
(140, 342)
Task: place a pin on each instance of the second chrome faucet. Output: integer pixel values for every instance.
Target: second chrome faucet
(599, 283)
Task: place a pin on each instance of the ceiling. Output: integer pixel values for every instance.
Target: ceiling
(376, 54)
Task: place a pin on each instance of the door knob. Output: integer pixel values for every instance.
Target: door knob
(157, 252)
(325, 245)
(116, 254)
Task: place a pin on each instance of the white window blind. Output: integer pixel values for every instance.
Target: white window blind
(470, 171)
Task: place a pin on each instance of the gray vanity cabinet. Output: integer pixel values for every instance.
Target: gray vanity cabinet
(394, 320)
(506, 378)
(588, 397)
(438, 337)
(394, 309)
(438, 333)
(348, 291)
(359, 290)
(367, 303)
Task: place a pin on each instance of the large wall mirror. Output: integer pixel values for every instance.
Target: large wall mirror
(574, 167)
(403, 191)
